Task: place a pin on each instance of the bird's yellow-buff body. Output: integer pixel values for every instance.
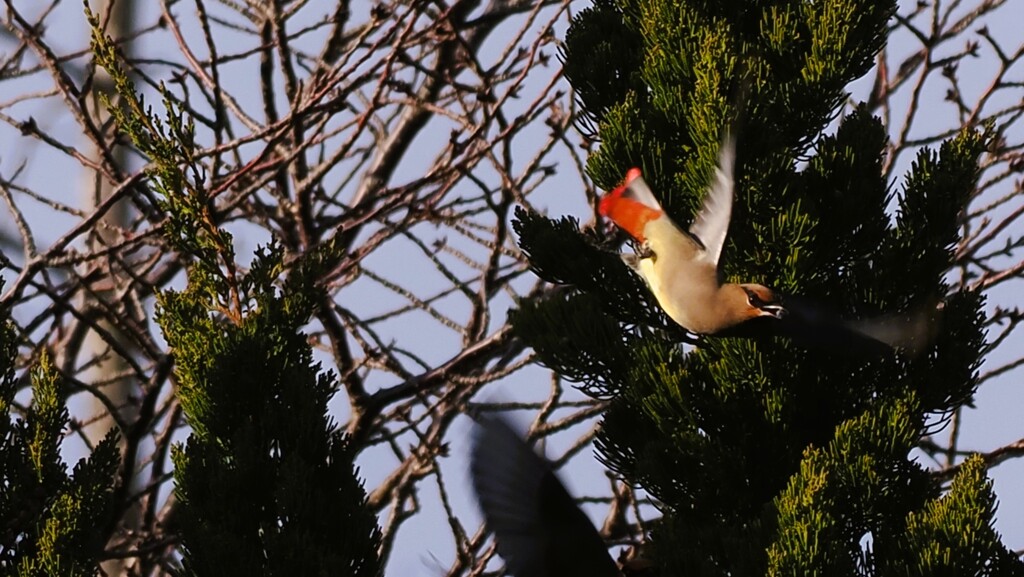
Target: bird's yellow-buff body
(686, 286)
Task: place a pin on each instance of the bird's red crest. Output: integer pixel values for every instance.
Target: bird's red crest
(630, 215)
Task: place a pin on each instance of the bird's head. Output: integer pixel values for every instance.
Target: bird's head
(762, 301)
(753, 301)
(632, 205)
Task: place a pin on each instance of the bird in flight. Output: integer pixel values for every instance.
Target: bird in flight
(539, 530)
(682, 268)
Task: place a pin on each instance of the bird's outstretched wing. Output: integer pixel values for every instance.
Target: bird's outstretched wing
(911, 332)
(538, 528)
(712, 222)
(814, 326)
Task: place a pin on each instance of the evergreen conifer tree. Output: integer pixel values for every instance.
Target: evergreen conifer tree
(768, 457)
(50, 520)
(265, 484)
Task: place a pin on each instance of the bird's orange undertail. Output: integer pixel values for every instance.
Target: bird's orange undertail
(630, 215)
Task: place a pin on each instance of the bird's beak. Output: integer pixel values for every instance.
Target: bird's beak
(774, 311)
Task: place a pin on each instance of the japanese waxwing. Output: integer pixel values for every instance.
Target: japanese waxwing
(538, 529)
(681, 268)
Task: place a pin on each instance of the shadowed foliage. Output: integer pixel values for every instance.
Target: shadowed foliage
(766, 456)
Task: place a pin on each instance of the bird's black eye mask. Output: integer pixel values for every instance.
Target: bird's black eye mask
(758, 303)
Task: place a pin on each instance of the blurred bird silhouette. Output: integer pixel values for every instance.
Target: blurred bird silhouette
(538, 529)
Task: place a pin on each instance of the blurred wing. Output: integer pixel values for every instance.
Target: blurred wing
(816, 327)
(912, 332)
(712, 222)
(538, 528)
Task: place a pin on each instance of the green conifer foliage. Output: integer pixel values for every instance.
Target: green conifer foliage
(51, 523)
(769, 457)
(265, 484)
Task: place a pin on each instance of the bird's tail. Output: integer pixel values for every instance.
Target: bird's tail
(632, 205)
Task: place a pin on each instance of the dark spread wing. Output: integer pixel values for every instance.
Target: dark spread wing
(539, 530)
(814, 326)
